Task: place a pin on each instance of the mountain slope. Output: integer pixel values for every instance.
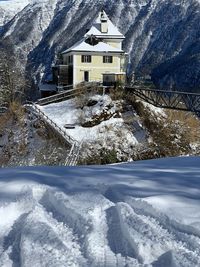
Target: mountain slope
(158, 34)
(9, 8)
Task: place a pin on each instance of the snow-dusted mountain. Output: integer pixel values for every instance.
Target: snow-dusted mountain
(162, 37)
(9, 8)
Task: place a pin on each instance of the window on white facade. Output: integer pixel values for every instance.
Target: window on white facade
(86, 59)
(107, 59)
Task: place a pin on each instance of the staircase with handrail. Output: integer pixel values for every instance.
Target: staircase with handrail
(73, 155)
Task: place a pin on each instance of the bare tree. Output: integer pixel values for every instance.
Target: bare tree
(12, 79)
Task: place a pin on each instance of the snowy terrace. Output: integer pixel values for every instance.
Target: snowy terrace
(108, 131)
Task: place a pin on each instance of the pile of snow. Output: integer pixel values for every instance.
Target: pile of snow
(108, 133)
(136, 214)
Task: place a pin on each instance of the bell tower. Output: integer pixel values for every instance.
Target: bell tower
(104, 22)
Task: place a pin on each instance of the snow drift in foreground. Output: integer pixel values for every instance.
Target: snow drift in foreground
(137, 214)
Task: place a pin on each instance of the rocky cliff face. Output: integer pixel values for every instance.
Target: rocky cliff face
(162, 37)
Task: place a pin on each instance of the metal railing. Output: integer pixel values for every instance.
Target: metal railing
(65, 95)
(55, 98)
(67, 137)
(177, 100)
(72, 158)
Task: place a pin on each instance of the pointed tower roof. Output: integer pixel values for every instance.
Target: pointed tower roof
(113, 31)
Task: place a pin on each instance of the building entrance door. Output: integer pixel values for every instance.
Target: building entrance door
(86, 76)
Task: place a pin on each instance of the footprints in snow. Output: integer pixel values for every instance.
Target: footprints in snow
(88, 229)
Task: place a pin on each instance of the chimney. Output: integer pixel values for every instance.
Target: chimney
(104, 22)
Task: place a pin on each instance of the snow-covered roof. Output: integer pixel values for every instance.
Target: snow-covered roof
(113, 31)
(47, 87)
(82, 46)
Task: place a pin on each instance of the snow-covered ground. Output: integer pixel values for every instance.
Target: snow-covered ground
(108, 133)
(67, 112)
(136, 214)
